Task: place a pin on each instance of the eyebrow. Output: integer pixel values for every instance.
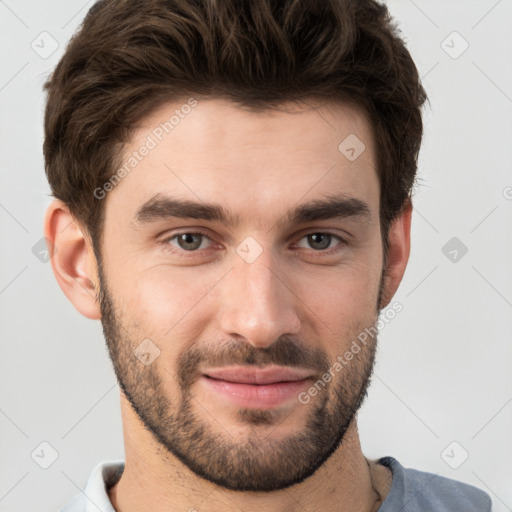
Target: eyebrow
(161, 207)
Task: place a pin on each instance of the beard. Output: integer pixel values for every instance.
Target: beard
(256, 462)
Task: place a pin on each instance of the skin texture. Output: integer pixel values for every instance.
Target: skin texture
(296, 304)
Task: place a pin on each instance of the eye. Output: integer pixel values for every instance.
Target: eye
(189, 241)
(320, 241)
(194, 241)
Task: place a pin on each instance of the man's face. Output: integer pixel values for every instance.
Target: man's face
(217, 324)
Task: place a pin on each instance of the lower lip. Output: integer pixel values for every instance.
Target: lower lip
(256, 396)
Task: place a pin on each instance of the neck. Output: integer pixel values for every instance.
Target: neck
(155, 480)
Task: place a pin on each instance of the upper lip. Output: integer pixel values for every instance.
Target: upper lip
(255, 375)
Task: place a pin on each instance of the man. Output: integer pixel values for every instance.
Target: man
(232, 184)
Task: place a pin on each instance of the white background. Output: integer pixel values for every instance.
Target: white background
(444, 363)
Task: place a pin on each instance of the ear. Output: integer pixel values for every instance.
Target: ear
(398, 253)
(72, 258)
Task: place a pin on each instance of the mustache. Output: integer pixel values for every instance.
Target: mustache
(285, 351)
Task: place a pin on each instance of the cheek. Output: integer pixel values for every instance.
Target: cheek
(162, 303)
(356, 282)
(346, 303)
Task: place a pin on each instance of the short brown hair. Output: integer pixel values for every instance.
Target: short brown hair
(130, 56)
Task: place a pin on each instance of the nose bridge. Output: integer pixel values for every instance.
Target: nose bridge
(256, 304)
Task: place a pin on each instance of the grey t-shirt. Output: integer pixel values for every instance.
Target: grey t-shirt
(411, 491)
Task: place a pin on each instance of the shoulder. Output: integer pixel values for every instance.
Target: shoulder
(419, 491)
(95, 495)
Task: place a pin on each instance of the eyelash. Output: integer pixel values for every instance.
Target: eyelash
(332, 250)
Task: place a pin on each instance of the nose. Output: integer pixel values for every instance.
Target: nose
(257, 302)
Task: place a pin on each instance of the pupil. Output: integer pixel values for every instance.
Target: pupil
(322, 239)
(187, 241)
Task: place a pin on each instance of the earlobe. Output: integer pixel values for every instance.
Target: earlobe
(72, 259)
(398, 253)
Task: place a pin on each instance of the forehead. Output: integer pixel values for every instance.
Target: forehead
(253, 163)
